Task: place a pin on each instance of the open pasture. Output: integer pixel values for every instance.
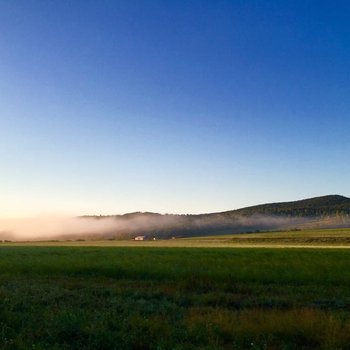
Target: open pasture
(312, 237)
(174, 298)
(319, 238)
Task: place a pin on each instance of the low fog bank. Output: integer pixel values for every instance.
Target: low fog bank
(46, 228)
(153, 225)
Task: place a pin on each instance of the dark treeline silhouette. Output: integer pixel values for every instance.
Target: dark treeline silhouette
(313, 207)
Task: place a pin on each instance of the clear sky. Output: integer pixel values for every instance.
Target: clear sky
(171, 106)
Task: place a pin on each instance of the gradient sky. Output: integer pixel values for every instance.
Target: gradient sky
(171, 106)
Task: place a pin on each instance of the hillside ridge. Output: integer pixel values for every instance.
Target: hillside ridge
(329, 211)
(322, 205)
(316, 206)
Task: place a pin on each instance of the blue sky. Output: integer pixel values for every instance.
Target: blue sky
(171, 106)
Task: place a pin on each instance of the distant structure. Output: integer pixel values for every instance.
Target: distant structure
(139, 238)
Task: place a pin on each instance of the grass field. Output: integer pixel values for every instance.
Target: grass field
(312, 237)
(320, 238)
(174, 298)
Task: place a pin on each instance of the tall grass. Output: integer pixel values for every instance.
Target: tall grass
(169, 298)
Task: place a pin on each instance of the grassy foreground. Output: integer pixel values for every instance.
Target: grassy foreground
(174, 298)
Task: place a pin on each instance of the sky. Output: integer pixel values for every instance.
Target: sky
(108, 107)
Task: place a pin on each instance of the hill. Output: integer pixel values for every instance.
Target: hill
(318, 206)
(320, 212)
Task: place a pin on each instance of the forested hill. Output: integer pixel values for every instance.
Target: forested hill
(327, 211)
(331, 205)
(319, 206)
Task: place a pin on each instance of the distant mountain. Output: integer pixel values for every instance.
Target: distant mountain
(326, 211)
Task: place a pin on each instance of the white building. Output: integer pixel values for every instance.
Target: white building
(139, 238)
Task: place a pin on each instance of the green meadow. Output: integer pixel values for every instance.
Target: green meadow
(318, 238)
(174, 298)
(326, 238)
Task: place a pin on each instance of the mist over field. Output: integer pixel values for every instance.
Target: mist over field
(151, 225)
(51, 227)
(43, 228)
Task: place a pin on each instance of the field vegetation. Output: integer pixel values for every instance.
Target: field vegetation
(320, 238)
(174, 298)
(313, 237)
